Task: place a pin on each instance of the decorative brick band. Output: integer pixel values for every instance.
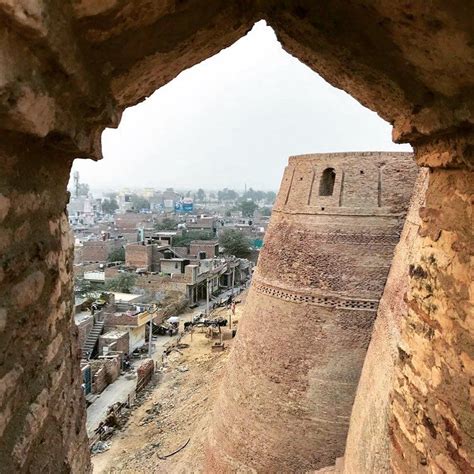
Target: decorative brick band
(355, 238)
(317, 300)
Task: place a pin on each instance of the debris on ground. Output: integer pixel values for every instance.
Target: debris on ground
(166, 413)
(174, 452)
(100, 447)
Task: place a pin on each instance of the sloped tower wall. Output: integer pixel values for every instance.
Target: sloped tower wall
(286, 400)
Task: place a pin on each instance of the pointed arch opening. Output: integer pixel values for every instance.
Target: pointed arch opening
(326, 184)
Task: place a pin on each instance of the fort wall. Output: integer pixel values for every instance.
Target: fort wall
(301, 345)
(367, 448)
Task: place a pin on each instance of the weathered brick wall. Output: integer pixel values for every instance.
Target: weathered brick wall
(130, 221)
(162, 283)
(118, 318)
(97, 251)
(368, 441)
(121, 343)
(210, 248)
(144, 373)
(129, 237)
(300, 348)
(104, 372)
(41, 403)
(111, 272)
(139, 256)
(431, 424)
(56, 98)
(83, 330)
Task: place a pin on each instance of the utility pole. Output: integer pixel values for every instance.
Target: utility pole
(232, 313)
(233, 279)
(150, 332)
(207, 298)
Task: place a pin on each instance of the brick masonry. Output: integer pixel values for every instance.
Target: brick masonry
(121, 342)
(41, 401)
(368, 442)
(431, 425)
(98, 251)
(83, 329)
(210, 248)
(302, 342)
(104, 372)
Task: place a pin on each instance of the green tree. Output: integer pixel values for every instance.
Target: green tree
(247, 208)
(266, 211)
(227, 195)
(117, 255)
(270, 197)
(123, 283)
(109, 206)
(166, 224)
(235, 243)
(139, 202)
(83, 189)
(200, 195)
(85, 287)
(190, 235)
(254, 195)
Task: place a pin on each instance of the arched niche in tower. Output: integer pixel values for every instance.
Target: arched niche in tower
(326, 184)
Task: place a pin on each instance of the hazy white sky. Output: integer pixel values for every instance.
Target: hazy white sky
(233, 120)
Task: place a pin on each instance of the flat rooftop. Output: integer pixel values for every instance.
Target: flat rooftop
(82, 316)
(125, 297)
(114, 334)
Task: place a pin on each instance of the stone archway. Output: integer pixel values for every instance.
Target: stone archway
(68, 70)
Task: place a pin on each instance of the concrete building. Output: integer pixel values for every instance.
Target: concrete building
(172, 266)
(202, 223)
(128, 318)
(82, 210)
(170, 198)
(148, 256)
(202, 249)
(114, 340)
(129, 222)
(97, 250)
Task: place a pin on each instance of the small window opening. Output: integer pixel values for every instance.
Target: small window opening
(326, 185)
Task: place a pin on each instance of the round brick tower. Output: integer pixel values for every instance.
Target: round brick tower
(286, 399)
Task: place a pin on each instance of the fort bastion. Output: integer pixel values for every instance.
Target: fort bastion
(313, 301)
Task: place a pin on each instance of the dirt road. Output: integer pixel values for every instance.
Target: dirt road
(177, 410)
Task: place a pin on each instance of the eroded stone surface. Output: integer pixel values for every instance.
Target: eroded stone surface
(431, 410)
(41, 402)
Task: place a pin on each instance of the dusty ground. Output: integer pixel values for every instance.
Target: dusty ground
(177, 410)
